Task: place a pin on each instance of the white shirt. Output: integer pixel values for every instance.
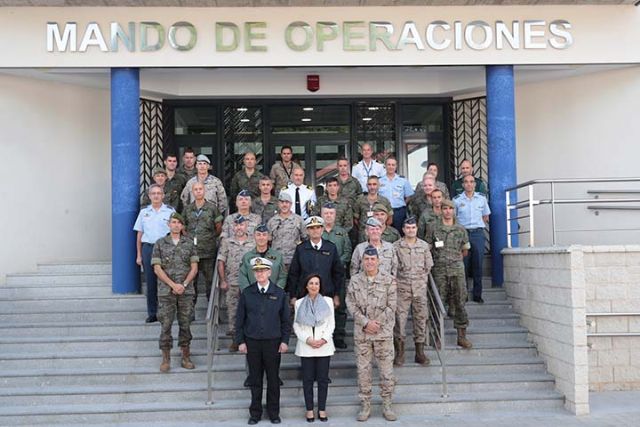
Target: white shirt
(266, 288)
(362, 172)
(306, 195)
(316, 246)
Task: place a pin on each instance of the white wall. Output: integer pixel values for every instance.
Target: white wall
(55, 184)
(585, 126)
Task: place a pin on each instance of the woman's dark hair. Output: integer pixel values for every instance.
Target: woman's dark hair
(304, 291)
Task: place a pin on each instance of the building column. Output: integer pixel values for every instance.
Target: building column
(501, 134)
(125, 177)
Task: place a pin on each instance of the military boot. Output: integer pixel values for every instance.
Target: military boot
(365, 411)
(166, 361)
(462, 338)
(387, 410)
(186, 358)
(398, 344)
(421, 358)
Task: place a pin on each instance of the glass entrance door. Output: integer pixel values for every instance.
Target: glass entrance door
(318, 135)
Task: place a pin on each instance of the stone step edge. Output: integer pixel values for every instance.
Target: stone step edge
(146, 370)
(229, 386)
(26, 410)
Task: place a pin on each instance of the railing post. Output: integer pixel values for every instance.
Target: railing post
(507, 199)
(553, 214)
(531, 222)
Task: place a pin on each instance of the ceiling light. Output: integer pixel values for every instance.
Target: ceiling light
(241, 109)
(366, 119)
(305, 119)
(245, 120)
(373, 108)
(307, 109)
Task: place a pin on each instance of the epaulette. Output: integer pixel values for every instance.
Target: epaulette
(309, 187)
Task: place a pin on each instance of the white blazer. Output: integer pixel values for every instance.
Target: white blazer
(324, 331)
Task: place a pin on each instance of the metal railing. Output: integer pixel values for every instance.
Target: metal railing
(212, 320)
(611, 334)
(513, 207)
(437, 316)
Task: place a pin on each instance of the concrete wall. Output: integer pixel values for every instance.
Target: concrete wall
(612, 277)
(584, 126)
(55, 184)
(546, 287)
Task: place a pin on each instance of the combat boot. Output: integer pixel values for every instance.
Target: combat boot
(166, 361)
(365, 411)
(421, 358)
(398, 344)
(462, 338)
(387, 410)
(186, 358)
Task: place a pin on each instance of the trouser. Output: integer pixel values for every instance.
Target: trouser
(150, 279)
(170, 306)
(453, 291)
(399, 215)
(315, 369)
(340, 316)
(412, 294)
(232, 296)
(263, 356)
(473, 261)
(205, 274)
(382, 351)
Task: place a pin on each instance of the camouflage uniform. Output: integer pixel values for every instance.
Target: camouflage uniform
(280, 175)
(373, 300)
(350, 189)
(427, 217)
(414, 264)
(363, 209)
(246, 275)
(448, 270)
(265, 210)
(389, 234)
(254, 220)
(340, 237)
(176, 261)
(187, 174)
(439, 185)
(386, 254)
(200, 227)
(231, 252)
(286, 233)
(213, 191)
(344, 212)
(418, 204)
(241, 181)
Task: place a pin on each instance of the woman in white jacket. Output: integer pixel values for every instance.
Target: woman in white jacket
(314, 324)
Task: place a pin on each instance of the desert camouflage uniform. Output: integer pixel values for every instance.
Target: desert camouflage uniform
(386, 253)
(231, 253)
(373, 299)
(344, 212)
(414, 264)
(176, 261)
(213, 191)
(265, 211)
(254, 220)
(241, 181)
(448, 270)
(280, 176)
(286, 233)
(200, 227)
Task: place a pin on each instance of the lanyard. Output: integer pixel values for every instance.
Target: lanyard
(289, 171)
(368, 171)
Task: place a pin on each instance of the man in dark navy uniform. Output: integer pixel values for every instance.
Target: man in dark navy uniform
(319, 256)
(262, 332)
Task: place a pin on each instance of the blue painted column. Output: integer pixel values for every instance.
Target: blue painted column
(125, 177)
(501, 133)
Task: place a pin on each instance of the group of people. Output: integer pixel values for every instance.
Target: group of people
(283, 257)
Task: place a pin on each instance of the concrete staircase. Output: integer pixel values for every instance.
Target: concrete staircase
(71, 352)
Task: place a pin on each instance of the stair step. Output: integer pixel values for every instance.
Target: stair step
(53, 279)
(101, 267)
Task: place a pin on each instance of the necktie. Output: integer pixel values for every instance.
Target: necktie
(298, 210)
(316, 247)
(263, 290)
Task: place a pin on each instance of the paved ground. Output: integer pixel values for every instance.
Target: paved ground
(619, 409)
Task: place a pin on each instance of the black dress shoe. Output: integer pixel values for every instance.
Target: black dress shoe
(340, 344)
(253, 421)
(479, 300)
(310, 420)
(276, 420)
(151, 319)
(323, 419)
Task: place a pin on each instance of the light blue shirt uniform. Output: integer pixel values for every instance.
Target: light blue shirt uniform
(153, 224)
(395, 190)
(469, 211)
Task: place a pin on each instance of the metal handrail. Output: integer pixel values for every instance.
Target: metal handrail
(212, 320)
(512, 207)
(437, 315)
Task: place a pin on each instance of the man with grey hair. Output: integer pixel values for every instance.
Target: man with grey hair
(367, 167)
(213, 188)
